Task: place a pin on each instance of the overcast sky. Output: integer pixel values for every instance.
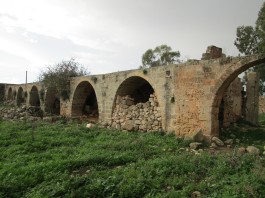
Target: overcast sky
(111, 35)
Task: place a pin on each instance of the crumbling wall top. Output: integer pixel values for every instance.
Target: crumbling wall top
(212, 52)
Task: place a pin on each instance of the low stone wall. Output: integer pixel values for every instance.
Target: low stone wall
(139, 117)
(261, 104)
(21, 113)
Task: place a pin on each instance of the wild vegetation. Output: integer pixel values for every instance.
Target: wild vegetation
(58, 76)
(251, 40)
(66, 159)
(160, 56)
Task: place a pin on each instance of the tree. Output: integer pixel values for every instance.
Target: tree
(247, 40)
(58, 76)
(260, 29)
(160, 56)
(251, 40)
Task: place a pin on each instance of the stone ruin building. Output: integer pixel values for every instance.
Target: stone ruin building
(203, 95)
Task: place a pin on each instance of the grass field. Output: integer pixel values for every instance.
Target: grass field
(69, 160)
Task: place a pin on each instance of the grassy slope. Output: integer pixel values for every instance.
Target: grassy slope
(68, 160)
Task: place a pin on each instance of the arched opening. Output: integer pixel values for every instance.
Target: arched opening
(9, 94)
(34, 99)
(221, 114)
(52, 101)
(138, 89)
(85, 102)
(217, 114)
(20, 96)
(136, 106)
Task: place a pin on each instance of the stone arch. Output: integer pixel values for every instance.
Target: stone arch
(34, 99)
(137, 87)
(135, 106)
(52, 101)
(85, 101)
(20, 96)
(226, 78)
(10, 94)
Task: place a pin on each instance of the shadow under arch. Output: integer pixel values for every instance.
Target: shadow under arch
(20, 96)
(228, 76)
(137, 87)
(9, 94)
(34, 99)
(131, 92)
(85, 102)
(52, 101)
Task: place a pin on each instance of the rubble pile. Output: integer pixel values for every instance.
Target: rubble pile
(21, 113)
(138, 117)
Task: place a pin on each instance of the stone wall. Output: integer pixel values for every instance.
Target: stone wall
(188, 94)
(139, 117)
(212, 52)
(2, 92)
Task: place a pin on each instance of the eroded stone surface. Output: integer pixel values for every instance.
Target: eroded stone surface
(189, 94)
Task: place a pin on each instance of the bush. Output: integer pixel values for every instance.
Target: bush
(58, 76)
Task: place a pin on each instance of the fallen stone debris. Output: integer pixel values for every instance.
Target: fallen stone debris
(142, 116)
(31, 113)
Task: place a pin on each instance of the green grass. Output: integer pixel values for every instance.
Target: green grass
(262, 119)
(247, 134)
(68, 160)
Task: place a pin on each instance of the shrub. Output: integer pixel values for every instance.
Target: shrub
(58, 76)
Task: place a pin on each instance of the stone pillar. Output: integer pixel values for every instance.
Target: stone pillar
(232, 101)
(2, 92)
(252, 102)
(65, 108)
(261, 104)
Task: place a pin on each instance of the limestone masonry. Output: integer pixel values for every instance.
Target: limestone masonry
(261, 104)
(198, 95)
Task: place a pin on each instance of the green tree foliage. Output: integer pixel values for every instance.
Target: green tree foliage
(260, 29)
(251, 40)
(160, 56)
(246, 41)
(58, 76)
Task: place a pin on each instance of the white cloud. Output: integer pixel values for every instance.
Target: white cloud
(109, 36)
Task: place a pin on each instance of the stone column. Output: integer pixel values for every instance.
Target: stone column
(2, 92)
(252, 102)
(261, 104)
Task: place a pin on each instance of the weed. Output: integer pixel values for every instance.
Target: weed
(68, 160)
(94, 79)
(145, 71)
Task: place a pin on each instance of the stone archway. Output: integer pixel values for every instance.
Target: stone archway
(34, 99)
(226, 78)
(84, 102)
(20, 96)
(52, 101)
(136, 106)
(10, 94)
(137, 87)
